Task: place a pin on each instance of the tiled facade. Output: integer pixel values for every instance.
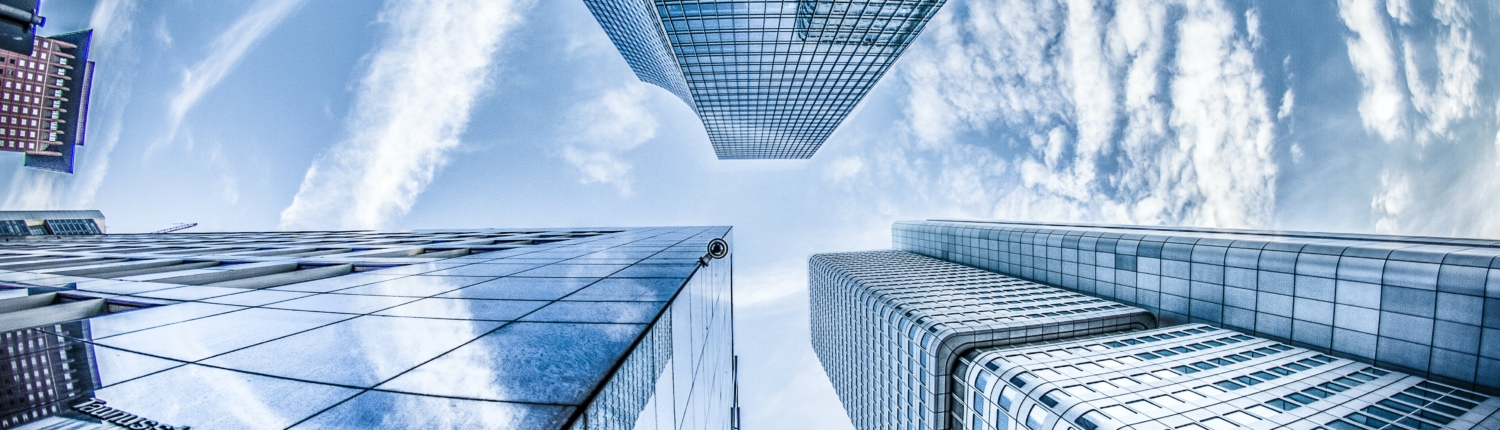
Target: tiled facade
(1425, 306)
(769, 78)
(888, 327)
(1198, 377)
(578, 329)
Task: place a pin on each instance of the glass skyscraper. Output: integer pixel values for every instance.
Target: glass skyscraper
(770, 79)
(599, 328)
(1171, 355)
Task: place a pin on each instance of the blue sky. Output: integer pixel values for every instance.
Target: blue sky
(1347, 115)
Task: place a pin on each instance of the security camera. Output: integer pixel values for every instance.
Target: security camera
(717, 249)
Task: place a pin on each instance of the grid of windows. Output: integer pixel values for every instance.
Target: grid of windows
(769, 79)
(1424, 306)
(1196, 377)
(40, 372)
(61, 68)
(909, 315)
(14, 227)
(71, 226)
(582, 329)
(637, 33)
(32, 91)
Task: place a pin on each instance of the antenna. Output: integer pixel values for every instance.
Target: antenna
(177, 227)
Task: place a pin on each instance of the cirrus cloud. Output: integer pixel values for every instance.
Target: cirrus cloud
(411, 106)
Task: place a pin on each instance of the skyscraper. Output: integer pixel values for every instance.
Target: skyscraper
(1427, 306)
(1024, 326)
(770, 79)
(598, 328)
(44, 100)
(889, 326)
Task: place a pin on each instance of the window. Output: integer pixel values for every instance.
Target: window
(1048, 374)
(1020, 380)
(1101, 386)
(1301, 398)
(1262, 410)
(1241, 417)
(1166, 400)
(1077, 390)
(1317, 393)
(1050, 399)
(1008, 397)
(1229, 385)
(1189, 395)
(982, 381)
(1037, 417)
(1218, 424)
(1366, 420)
(1090, 420)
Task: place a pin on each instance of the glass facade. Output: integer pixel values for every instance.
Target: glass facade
(1419, 305)
(1197, 377)
(909, 317)
(547, 329)
(769, 79)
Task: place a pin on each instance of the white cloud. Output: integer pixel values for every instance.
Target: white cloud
(1402, 65)
(1288, 103)
(1099, 112)
(1223, 124)
(1422, 94)
(1400, 10)
(843, 169)
(1454, 97)
(224, 54)
(600, 131)
(1383, 106)
(163, 34)
(410, 108)
(31, 189)
(1391, 202)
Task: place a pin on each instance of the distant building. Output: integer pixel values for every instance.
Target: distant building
(769, 79)
(43, 223)
(44, 100)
